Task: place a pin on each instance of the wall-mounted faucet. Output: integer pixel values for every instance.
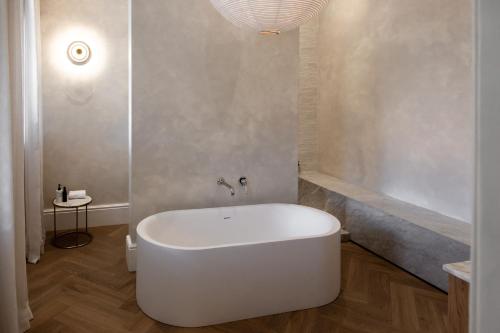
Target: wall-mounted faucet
(222, 181)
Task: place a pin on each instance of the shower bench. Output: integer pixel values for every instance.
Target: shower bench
(418, 240)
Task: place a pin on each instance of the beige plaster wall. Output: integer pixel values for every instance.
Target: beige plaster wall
(209, 100)
(85, 107)
(308, 98)
(395, 110)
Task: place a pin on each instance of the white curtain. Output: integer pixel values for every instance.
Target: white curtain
(35, 232)
(16, 98)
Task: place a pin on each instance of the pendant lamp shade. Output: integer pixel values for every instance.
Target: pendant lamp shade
(269, 16)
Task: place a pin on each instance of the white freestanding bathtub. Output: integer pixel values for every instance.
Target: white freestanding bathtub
(207, 266)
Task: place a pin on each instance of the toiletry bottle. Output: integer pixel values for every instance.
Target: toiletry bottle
(65, 195)
(59, 193)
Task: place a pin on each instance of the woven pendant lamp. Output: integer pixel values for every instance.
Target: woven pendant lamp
(269, 16)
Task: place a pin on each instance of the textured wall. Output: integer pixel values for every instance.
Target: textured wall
(308, 95)
(209, 100)
(395, 111)
(85, 107)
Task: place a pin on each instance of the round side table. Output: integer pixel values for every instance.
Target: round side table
(77, 238)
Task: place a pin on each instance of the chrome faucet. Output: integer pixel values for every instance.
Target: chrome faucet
(222, 181)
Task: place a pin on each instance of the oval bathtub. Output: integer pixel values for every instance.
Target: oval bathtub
(206, 266)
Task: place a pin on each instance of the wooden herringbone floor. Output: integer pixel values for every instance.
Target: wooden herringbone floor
(90, 290)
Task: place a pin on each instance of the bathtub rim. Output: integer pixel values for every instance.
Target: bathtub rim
(336, 227)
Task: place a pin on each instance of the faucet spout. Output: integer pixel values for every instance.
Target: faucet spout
(221, 181)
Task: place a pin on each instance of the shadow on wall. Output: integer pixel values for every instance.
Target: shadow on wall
(85, 104)
(395, 100)
(219, 102)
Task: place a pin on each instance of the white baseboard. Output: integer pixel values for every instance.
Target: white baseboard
(99, 215)
(130, 249)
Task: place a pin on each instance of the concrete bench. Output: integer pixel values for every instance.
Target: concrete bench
(414, 238)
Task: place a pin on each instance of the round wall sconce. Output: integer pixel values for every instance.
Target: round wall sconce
(79, 53)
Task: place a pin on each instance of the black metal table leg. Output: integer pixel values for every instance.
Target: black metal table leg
(55, 231)
(86, 218)
(76, 231)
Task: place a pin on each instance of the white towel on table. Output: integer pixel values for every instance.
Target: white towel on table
(80, 194)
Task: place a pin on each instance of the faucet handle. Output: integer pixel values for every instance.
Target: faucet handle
(221, 180)
(243, 181)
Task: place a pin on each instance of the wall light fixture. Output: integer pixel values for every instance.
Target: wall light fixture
(79, 53)
(269, 17)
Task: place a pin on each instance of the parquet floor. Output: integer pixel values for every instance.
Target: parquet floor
(90, 290)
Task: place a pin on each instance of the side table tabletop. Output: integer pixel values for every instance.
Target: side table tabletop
(76, 238)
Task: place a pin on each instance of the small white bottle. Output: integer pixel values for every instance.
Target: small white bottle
(59, 194)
